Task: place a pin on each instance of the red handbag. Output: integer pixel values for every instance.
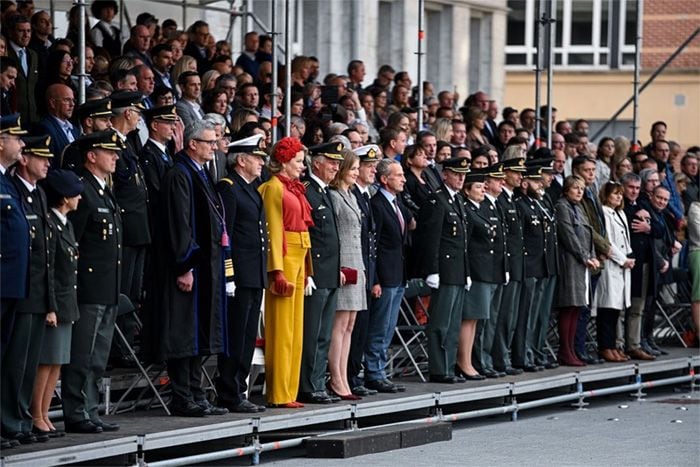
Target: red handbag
(350, 275)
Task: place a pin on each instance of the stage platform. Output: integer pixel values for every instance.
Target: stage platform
(151, 437)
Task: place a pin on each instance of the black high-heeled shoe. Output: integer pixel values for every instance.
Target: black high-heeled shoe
(476, 377)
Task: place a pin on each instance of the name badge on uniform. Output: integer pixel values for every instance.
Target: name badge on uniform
(31, 217)
(5, 196)
(103, 210)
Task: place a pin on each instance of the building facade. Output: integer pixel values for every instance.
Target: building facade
(594, 63)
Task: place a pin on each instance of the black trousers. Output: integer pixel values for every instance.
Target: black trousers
(606, 327)
(7, 319)
(186, 379)
(234, 368)
(133, 261)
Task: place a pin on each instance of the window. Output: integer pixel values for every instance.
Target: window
(588, 33)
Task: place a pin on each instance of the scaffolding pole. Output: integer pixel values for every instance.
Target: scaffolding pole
(287, 73)
(538, 71)
(81, 56)
(273, 97)
(421, 37)
(637, 65)
(550, 67)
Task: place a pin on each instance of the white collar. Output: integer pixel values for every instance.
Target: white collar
(451, 191)
(490, 198)
(318, 180)
(363, 189)
(474, 203)
(158, 145)
(17, 48)
(2, 169)
(61, 217)
(100, 181)
(29, 186)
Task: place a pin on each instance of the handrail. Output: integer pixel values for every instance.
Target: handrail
(649, 80)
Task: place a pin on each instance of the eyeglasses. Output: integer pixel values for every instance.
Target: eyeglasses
(210, 142)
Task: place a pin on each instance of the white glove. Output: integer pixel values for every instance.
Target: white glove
(433, 281)
(230, 289)
(507, 278)
(468, 285)
(310, 286)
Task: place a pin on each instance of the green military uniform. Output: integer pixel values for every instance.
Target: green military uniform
(444, 252)
(98, 230)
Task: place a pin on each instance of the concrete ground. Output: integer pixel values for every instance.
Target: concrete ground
(663, 430)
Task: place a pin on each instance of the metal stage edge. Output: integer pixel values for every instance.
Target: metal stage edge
(644, 375)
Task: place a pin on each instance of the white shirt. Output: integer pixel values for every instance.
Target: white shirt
(158, 145)
(61, 217)
(29, 186)
(319, 181)
(100, 181)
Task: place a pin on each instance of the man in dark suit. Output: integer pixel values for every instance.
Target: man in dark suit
(8, 76)
(162, 56)
(247, 231)
(554, 190)
(20, 362)
(60, 104)
(393, 221)
(322, 289)
(510, 297)
(192, 313)
(19, 32)
(446, 268)
(197, 45)
(364, 190)
(98, 230)
(643, 233)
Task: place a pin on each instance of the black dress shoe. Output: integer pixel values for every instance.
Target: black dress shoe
(106, 426)
(551, 365)
(83, 426)
(382, 385)
(40, 435)
(446, 379)
(529, 368)
(210, 409)
(5, 444)
(510, 371)
(13, 442)
(318, 397)
(244, 406)
(15, 439)
(654, 346)
(363, 391)
(187, 409)
(489, 373)
(56, 433)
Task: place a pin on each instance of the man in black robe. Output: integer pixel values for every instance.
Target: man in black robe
(193, 311)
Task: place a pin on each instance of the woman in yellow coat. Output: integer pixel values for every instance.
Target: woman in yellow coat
(288, 265)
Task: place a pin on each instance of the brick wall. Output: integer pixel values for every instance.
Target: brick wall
(667, 24)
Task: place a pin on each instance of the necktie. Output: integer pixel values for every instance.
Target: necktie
(21, 54)
(398, 215)
(365, 196)
(69, 133)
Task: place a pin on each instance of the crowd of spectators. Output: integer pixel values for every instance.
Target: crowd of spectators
(165, 190)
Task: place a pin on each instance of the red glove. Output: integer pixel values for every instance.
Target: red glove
(280, 285)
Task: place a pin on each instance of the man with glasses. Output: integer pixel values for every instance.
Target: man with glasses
(197, 45)
(189, 321)
(60, 104)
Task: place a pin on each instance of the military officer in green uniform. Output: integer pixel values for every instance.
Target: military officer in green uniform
(322, 289)
(446, 268)
(98, 230)
(533, 219)
(486, 329)
(510, 296)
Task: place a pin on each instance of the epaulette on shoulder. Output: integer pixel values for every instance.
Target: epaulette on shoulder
(307, 183)
(226, 180)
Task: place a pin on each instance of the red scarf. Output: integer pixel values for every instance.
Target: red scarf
(298, 189)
